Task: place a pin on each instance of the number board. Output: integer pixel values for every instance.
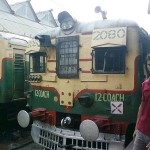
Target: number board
(33, 45)
(109, 36)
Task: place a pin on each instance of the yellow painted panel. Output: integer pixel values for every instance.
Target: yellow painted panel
(69, 88)
(85, 49)
(49, 77)
(93, 77)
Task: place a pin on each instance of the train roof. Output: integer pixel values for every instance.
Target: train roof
(90, 26)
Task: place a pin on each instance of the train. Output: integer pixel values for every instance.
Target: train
(85, 84)
(12, 73)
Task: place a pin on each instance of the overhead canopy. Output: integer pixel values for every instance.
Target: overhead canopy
(20, 26)
(20, 19)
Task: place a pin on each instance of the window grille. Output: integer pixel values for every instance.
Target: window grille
(68, 57)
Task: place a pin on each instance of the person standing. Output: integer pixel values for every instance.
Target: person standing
(142, 128)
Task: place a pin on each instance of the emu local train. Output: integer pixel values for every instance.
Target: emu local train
(85, 84)
(12, 98)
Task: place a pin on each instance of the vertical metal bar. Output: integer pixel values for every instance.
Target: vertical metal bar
(96, 145)
(82, 143)
(87, 144)
(64, 142)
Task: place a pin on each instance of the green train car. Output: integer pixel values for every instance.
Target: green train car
(85, 84)
(12, 73)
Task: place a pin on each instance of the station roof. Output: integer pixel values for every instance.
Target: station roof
(20, 26)
(22, 20)
(25, 10)
(4, 6)
(46, 18)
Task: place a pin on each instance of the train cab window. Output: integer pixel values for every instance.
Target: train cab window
(37, 62)
(68, 57)
(108, 60)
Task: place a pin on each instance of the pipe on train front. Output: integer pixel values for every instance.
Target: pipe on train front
(85, 84)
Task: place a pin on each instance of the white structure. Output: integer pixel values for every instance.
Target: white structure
(148, 7)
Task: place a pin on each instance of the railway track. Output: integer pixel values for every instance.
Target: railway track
(18, 140)
(27, 146)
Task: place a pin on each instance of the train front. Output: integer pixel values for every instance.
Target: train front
(85, 81)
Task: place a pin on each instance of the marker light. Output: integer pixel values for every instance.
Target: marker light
(35, 78)
(39, 78)
(89, 130)
(23, 118)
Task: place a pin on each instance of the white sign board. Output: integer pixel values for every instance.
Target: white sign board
(109, 36)
(117, 107)
(33, 46)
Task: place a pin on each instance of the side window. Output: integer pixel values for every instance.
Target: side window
(108, 60)
(68, 57)
(37, 62)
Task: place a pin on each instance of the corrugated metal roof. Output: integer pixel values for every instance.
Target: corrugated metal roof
(25, 10)
(22, 20)
(4, 6)
(46, 18)
(21, 26)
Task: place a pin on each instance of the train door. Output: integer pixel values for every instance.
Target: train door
(18, 57)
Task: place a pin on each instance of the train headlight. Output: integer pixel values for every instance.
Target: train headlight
(86, 99)
(23, 118)
(67, 23)
(89, 130)
(66, 122)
